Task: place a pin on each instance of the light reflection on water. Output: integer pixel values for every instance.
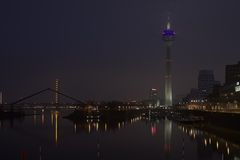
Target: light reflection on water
(47, 135)
(210, 141)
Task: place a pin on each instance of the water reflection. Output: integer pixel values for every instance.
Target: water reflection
(42, 117)
(154, 129)
(52, 118)
(208, 142)
(35, 117)
(96, 125)
(37, 137)
(56, 113)
(167, 137)
(40, 153)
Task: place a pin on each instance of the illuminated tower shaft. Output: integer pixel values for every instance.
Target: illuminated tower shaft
(168, 76)
(168, 37)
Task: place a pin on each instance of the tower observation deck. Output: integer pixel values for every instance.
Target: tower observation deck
(168, 36)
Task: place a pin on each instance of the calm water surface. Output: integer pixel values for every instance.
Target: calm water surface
(49, 136)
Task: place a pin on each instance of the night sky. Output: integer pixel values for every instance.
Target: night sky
(112, 49)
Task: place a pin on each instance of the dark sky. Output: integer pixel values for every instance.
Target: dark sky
(112, 49)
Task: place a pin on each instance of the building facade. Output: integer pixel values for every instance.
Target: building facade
(232, 74)
(154, 98)
(206, 81)
(206, 84)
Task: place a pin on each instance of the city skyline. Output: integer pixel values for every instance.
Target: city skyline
(120, 79)
(121, 56)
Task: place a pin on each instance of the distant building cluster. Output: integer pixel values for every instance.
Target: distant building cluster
(210, 94)
(229, 92)
(206, 83)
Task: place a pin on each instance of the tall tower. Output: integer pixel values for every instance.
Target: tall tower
(168, 36)
(56, 89)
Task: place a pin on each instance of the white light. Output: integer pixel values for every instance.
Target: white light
(168, 25)
(205, 142)
(97, 126)
(75, 128)
(89, 128)
(119, 125)
(105, 126)
(237, 89)
(209, 140)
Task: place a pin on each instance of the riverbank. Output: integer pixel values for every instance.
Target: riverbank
(223, 119)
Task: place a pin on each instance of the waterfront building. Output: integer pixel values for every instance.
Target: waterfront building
(193, 96)
(206, 84)
(154, 100)
(153, 93)
(229, 92)
(232, 74)
(206, 81)
(168, 37)
(227, 97)
(212, 94)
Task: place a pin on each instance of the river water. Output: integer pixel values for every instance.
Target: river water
(49, 136)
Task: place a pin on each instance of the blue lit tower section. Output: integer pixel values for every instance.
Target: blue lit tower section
(168, 36)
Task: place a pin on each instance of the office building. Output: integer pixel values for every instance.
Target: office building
(232, 74)
(154, 98)
(206, 81)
